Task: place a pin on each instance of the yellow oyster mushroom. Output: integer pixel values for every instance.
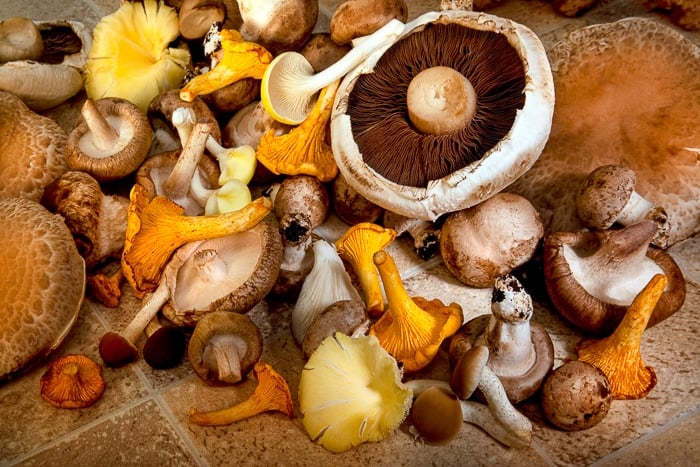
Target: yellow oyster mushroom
(350, 392)
(303, 150)
(357, 246)
(130, 56)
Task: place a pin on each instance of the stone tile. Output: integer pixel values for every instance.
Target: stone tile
(75, 10)
(686, 254)
(138, 436)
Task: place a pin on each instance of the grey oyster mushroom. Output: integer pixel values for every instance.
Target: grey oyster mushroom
(521, 353)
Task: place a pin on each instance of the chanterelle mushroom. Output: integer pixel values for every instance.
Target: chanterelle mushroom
(43, 283)
(419, 172)
(72, 382)
(640, 111)
(224, 347)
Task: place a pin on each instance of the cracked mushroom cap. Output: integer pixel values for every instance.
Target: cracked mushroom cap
(231, 273)
(640, 111)
(31, 149)
(423, 173)
(43, 283)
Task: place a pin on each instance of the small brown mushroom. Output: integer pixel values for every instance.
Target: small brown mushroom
(224, 347)
(20, 39)
(350, 206)
(165, 346)
(355, 18)
(484, 242)
(278, 26)
(301, 204)
(347, 316)
(161, 108)
(43, 283)
(111, 140)
(72, 382)
(576, 396)
(322, 52)
(593, 277)
(437, 415)
(197, 16)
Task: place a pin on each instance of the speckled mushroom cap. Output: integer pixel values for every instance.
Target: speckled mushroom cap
(494, 166)
(641, 111)
(43, 282)
(31, 150)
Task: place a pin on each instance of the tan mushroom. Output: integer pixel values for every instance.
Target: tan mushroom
(20, 39)
(355, 18)
(31, 149)
(278, 26)
(224, 347)
(43, 283)
(111, 140)
(640, 111)
(196, 17)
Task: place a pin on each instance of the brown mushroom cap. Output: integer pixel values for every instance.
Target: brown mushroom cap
(322, 52)
(604, 194)
(466, 373)
(223, 325)
(346, 316)
(161, 108)
(117, 153)
(576, 396)
(253, 260)
(20, 39)
(72, 382)
(278, 26)
(584, 310)
(437, 415)
(355, 18)
(424, 175)
(640, 111)
(31, 150)
(43, 283)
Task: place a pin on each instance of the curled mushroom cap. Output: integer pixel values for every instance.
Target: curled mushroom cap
(72, 382)
(31, 149)
(592, 277)
(43, 278)
(640, 111)
(439, 173)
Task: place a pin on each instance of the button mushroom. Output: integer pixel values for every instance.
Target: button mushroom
(521, 353)
(411, 328)
(271, 394)
(350, 206)
(592, 277)
(300, 203)
(608, 195)
(43, 284)
(619, 355)
(110, 141)
(279, 26)
(224, 347)
(481, 243)
(356, 18)
(72, 382)
(385, 155)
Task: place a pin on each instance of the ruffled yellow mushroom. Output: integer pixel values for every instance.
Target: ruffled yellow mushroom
(619, 355)
(303, 150)
(240, 59)
(350, 392)
(411, 329)
(271, 394)
(130, 55)
(157, 228)
(357, 246)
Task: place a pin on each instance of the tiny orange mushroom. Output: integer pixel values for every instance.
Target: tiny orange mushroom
(241, 59)
(358, 245)
(271, 394)
(157, 228)
(72, 382)
(303, 150)
(619, 355)
(411, 329)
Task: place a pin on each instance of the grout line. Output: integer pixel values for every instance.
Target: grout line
(542, 453)
(610, 459)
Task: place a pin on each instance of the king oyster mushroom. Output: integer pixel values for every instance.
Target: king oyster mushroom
(43, 283)
(56, 74)
(640, 111)
(493, 67)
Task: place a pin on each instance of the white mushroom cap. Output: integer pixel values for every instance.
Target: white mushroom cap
(43, 282)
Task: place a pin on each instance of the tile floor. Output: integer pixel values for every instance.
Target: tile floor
(142, 417)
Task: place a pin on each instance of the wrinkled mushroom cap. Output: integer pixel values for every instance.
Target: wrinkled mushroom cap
(43, 283)
(497, 168)
(644, 116)
(31, 150)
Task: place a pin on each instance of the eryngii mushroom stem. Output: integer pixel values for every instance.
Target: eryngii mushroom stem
(179, 180)
(119, 348)
(271, 394)
(289, 83)
(223, 354)
(105, 136)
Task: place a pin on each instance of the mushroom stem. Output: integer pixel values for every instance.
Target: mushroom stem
(231, 196)
(271, 393)
(636, 208)
(149, 308)
(209, 265)
(178, 182)
(501, 408)
(290, 77)
(105, 136)
(234, 163)
(223, 354)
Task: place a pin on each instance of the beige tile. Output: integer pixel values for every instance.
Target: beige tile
(138, 436)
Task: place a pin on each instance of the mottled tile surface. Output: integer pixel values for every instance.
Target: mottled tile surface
(142, 419)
